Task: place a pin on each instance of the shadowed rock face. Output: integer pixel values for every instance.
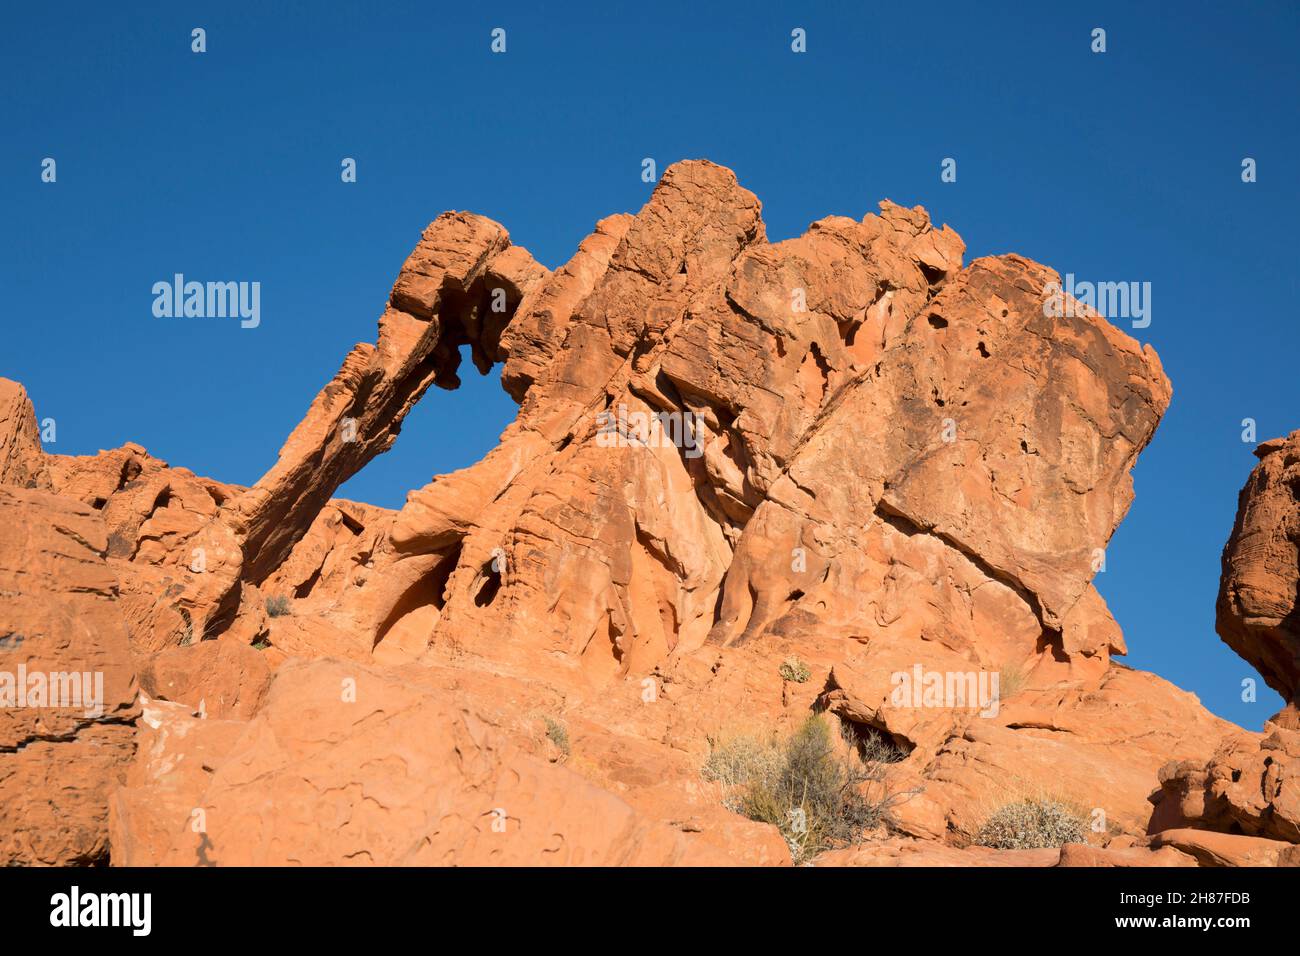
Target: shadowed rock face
(845, 446)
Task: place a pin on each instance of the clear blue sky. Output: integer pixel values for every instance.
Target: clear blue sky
(225, 166)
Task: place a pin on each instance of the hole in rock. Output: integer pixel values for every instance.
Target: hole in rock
(162, 501)
(444, 432)
(874, 744)
(351, 523)
(130, 472)
(932, 274)
(937, 321)
(982, 350)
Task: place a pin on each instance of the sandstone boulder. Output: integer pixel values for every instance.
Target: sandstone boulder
(220, 678)
(1228, 849)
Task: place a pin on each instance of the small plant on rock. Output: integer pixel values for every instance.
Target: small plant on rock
(277, 606)
(818, 796)
(1033, 824)
(794, 670)
(557, 734)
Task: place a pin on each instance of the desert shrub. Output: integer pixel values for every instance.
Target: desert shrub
(1011, 679)
(738, 760)
(557, 734)
(819, 798)
(1032, 824)
(794, 670)
(277, 606)
(187, 632)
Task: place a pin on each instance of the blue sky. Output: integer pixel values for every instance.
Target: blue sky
(225, 165)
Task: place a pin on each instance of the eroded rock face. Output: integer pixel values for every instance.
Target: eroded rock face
(1242, 807)
(459, 286)
(1251, 786)
(1258, 612)
(845, 446)
(221, 678)
(67, 685)
(176, 562)
(352, 766)
(22, 460)
(857, 411)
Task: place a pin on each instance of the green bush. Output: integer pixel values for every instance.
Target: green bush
(1033, 825)
(819, 799)
(794, 670)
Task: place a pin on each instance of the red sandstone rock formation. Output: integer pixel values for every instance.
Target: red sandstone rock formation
(843, 446)
(1243, 806)
(351, 766)
(22, 462)
(67, 685)
(1259, 595)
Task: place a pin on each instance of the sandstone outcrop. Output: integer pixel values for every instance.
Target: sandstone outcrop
(846, 403)
(1242, 807)
(845, 448)
(173, 557)
(1258, 611)
(459, 287)
(22, 460)
(1228, 849)
(225, 678)
(351, 766)
(67, 684)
